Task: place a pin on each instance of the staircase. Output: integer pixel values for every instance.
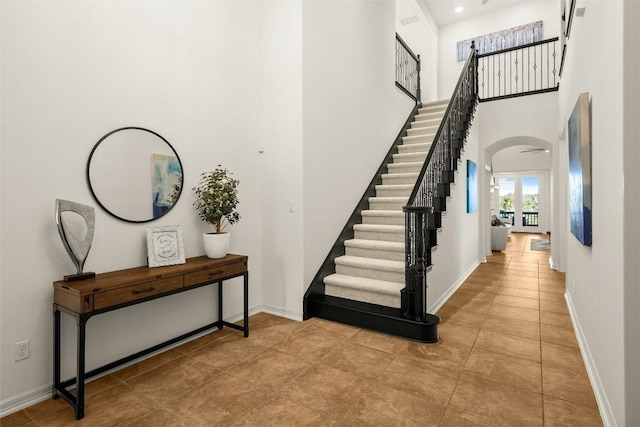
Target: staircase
(373, 267)
(375, 275)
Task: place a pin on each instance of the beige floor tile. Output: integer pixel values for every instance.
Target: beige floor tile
(562, 355)
(456, 418)
(556, 319)
(337, 330)
(516, 301)
(517, 292)
(554, 306)
(498, 404)
(490, 287)
(526, 283)
(509, 345)
(334, 391)
(560, 413)
(204, 340)
(464, 318)
(163, 418)
(227, 352)
(117, 405)
(220, 401)
(518, 274)
(173, 379)
(423, 380)
(357, 359)
(457, 335)
(520, 328)
(385, 406)
(569, 385)
(512, 371)
(280, 412)
(551, 296)
(440, 354)
(378, 341)
(17, 419)
(556, 289)
(312, 343)
(273, 330)
(558, 335)
(519, 313)
(270, 368)
(146, 365)
(473, 295)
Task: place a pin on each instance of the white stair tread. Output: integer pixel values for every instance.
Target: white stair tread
(390, 199)
(382, 212)
(379, 228)
(371, 285)
(370, 263)
(400, 175)
(404, 165)
(395, 187)
(375, 244)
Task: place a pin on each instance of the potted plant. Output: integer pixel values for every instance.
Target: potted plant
(216, 201)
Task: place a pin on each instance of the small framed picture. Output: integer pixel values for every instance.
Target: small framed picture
(164, 246)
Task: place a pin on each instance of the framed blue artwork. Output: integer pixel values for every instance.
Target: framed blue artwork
(472, 187)
(579, 132)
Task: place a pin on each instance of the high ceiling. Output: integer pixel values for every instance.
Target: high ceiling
(443, 11)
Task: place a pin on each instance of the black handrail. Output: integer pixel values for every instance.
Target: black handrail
(407, 70)
(429, 196)
(522, 70)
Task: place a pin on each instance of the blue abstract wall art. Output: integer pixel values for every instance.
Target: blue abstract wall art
(579, 132)
(472, 187)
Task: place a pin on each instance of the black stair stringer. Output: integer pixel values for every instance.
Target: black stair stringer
(374, 317)
(316, 288)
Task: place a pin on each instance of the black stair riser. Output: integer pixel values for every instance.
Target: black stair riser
(374, 317)
(444, 190)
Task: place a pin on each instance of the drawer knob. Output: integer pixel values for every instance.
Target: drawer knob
(143, 291)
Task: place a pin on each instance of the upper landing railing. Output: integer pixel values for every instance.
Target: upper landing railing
(407, 70)
(521, 70)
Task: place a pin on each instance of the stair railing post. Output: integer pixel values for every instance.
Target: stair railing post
(418, 89)
(414, 301)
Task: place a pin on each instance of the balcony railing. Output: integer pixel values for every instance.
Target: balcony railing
(522, 70)
(407, 70)
(529, 219)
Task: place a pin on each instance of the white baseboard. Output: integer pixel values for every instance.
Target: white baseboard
(454, 287)
(278, 311)
(604, 406)
(24, 400)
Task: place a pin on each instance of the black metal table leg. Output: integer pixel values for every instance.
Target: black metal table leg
(246, 304)
(81, 322)
(220, 321)
(56, 351)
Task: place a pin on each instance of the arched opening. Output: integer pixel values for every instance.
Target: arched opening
(518, 185)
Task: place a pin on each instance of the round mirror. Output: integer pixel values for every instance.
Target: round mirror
(134, 174)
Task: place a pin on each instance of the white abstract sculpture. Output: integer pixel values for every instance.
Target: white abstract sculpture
(77, 248)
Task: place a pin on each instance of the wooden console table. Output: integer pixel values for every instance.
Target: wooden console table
(118, 289)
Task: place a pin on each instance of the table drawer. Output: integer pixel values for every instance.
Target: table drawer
(135, 292)
(212, 274)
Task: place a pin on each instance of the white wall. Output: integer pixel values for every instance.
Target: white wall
(512, 160)
(458, 251)
(632, 211)
(593, 57)
(71, 72)
(280, 109)
(340, 40)
(422, 37)
(501, 19)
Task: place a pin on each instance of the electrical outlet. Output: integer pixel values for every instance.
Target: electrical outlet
(21, 350)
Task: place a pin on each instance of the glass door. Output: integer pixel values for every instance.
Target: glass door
(530, 201)
(507, 198)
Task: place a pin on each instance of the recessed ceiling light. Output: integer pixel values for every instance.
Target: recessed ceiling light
(459, 9)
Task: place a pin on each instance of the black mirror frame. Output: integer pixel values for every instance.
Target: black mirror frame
(96, 197)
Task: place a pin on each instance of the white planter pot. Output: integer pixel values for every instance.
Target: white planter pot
(216, 245)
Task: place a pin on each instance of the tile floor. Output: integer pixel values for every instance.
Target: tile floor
(507, 356)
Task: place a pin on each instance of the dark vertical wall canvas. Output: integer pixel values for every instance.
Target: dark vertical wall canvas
(579, 130)
(472, 187)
